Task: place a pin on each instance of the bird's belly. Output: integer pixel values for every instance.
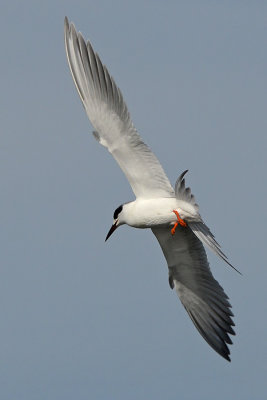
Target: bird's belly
(151, 213)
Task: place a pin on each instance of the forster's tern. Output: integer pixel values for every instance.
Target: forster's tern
(172, 214)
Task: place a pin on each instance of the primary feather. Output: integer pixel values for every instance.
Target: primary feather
(202, 296)
(108, 113)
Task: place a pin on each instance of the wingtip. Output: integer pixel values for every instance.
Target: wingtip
(66, 23)
(224, 352)
(69, 27)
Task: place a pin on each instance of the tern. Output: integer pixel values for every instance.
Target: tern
(171, 213)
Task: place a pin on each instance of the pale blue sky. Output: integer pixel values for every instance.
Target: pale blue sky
(84, 319)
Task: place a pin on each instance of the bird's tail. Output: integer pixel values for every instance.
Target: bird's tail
(184, 193)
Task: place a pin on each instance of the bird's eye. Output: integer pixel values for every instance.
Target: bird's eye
(117, 211)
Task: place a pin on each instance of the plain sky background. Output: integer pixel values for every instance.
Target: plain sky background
(84, 319)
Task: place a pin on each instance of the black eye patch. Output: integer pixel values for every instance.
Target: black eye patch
(117, 211)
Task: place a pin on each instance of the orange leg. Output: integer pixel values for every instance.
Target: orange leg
(179, 221)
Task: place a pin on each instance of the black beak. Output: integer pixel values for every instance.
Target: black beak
(112, 229)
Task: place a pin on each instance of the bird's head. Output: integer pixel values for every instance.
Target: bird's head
(117, 220)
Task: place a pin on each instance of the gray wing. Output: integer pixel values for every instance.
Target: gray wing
(109, 115)
(202, 296)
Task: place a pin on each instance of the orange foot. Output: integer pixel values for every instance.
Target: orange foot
(179, 221)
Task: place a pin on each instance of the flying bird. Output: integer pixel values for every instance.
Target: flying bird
(171, 213)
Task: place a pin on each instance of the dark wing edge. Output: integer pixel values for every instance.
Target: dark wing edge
(202, 296)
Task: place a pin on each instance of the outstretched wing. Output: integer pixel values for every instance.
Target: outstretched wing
(109, 115)
(202, 296)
